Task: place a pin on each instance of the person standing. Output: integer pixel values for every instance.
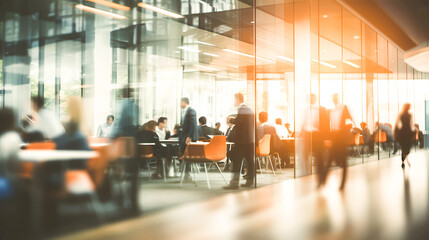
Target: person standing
(105, 129)
(244, 139)
(340, 135)
(43, 120)
(404, 132)
(188, 123)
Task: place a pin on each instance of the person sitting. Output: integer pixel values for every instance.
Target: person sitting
(161, 129)
(290, 132)
(419, 136)
(203, 130)
(217, 129)
(176, 131)
(281, 130)
(73, 138)
(366, 135)
(230, 133)
(389, 135)
(265, 127)
(104, 129)
(147, 134)
(10, 141)
(43, 120)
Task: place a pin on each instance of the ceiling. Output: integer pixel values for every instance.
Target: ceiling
(405, 22)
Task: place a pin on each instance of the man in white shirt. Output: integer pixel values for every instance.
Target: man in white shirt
(161, 129)
(43, 120)
(280, 129)
(105, 129)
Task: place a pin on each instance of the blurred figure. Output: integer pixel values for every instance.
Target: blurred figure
(147, 134)
(75, 136)
(263, 121)
(404, 132)
(230, 132)
(10, 141)
(244, 146)
(339, 136)
(161, 129)
(419, 136)
(188, 131)
(176, 131)
(281, 130)
(203, 130)
(366, 135)
(389, 136)
(290, 132)
(217, 129)
(105, 129)
(43, 120)
(127, 119)
(314, 134)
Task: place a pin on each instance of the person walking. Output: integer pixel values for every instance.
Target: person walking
(404, 132)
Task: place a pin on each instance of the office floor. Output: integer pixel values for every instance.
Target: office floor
(380, 201)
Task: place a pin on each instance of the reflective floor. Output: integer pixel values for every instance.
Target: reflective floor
(381, 201)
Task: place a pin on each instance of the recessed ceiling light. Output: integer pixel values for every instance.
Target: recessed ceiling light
(110, 4)
(211, 54)
(237, 52)
(325, 16)
(189, 49)
(252, 22)
(159, 10)
(356, 37)
(351, 64)
(324, 63)
(205, 43)
(100, 12)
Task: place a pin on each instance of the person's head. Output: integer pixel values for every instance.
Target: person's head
(110, 119)
(417, 127)
(176, 128)
(363, 125)
(7, 120)
(162, 122)
(313, 99)
(231, 121)
(149, 126)
(217, 125)
(238, 99)
(263, 117)
(37, 103)
(406, 108)
(287, 125)
(336, 98)
(184, 102)
(76, 115)
(279, 121)
(202, 121)
(376, 124)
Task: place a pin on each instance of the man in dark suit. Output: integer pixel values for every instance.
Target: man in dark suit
(244, 139)
(188, 123)
(217, 129)
(203, 130)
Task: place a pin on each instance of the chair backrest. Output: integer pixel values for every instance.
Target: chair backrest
(264, 145)
(97, 166)
(145, 151)
(380, 137)
(355, 139)
(41, 146)
(122, 147)
(216, 149)
(92, 140)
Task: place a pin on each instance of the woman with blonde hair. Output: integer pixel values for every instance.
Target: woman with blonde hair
(75, 136)
(404, 133)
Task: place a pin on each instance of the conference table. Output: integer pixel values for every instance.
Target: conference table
(39, 158)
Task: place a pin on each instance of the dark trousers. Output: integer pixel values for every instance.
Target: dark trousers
(339, 152)
(239, 152)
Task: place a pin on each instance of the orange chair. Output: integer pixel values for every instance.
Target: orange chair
(380, 137)
(26, 168)
(263, 151)
(210, 153)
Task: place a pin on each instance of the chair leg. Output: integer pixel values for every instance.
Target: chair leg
(96, 205)
(280, 162)
(242, 163)
(272, 166)
(195, 174)
(260, 166)
(148, 169)
(221, 173)
(207, 176)
(183, 174)
(163, 169)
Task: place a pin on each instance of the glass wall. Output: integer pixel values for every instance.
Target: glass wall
(274, 52)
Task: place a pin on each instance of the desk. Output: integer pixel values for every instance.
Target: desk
(207, 143)
(146, 144)
(170, 141)
(39, 157)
